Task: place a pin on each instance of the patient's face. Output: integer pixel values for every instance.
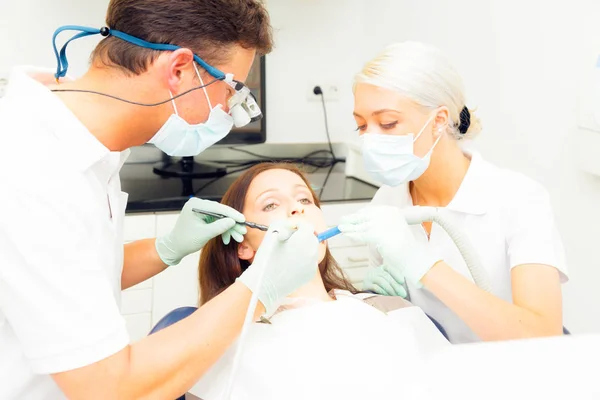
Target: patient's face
(277, 194)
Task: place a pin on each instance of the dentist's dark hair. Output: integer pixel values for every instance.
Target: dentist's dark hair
(220, 265)
(207, 27)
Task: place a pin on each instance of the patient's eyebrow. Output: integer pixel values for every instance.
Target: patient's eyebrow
(297, 185)
(267, 191)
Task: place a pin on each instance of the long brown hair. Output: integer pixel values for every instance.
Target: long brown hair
(220, 265)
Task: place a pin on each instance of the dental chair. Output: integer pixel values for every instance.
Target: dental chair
(172, 317)
(183, 312)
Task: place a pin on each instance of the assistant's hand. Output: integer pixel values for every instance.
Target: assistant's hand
(192, 230)
(380, 281)
(387, 229)
(289, 258)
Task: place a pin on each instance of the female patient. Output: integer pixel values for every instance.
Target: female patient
(312, 347)
(265, 193)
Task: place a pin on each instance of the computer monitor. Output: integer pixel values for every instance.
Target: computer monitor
(253, 133)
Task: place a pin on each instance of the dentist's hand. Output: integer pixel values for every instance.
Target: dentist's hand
(387, 229)
(289, 259)
(192, 230)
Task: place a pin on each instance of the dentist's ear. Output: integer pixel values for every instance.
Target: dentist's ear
(178, 65)
(245, 252)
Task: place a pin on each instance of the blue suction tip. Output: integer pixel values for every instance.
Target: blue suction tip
(329, 233)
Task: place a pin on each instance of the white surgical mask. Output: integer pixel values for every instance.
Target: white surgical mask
(177, 137)
(390, 159)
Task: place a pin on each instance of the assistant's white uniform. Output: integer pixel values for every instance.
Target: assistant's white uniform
(507, 217)
(61, 247)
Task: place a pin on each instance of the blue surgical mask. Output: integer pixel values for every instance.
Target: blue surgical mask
(390, 159)
(177, 137)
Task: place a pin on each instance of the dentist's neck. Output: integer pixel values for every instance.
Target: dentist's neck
(440, 182)
(117, 125)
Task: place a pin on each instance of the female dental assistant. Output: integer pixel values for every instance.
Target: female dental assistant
(63, 263)
(411, 115)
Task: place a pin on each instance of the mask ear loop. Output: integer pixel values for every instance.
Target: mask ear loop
(203, 87)
(423, 128)
(173, 103)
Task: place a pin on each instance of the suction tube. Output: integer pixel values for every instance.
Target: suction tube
(417, 215)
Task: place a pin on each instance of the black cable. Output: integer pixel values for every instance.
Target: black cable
(221, 177)
(135, 102)
(251, 153)
(233, 163)
(318, 91)
(325, 181)
(316, 152)
(249, 164)
(308, 159)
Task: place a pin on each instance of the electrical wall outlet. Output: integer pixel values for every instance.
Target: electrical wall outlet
(3, 84)
(331, 92)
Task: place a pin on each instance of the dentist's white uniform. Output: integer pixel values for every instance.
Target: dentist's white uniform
(507, 217)
(60, 187)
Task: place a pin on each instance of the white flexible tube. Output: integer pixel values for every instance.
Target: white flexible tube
(417, 215)
(275, 235)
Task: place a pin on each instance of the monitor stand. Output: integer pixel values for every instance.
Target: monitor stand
(187, 168)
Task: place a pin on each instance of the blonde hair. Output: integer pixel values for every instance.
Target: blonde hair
(423, 74)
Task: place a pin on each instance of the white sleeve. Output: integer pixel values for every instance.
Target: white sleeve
(532, 236)
(54, 292)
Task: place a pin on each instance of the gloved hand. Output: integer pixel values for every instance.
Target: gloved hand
(288, 262)
(192, 230)
(387, 229)
(380, 281)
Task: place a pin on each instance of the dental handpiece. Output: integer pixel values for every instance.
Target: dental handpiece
(219, 216)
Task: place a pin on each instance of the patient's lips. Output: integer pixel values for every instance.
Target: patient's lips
(302, 217)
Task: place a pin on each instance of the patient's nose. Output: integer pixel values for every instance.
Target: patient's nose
(298, 211)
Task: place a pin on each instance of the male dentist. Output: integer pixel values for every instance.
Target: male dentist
(163, 73)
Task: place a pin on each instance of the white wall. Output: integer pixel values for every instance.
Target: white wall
(522, 62)
(27, 27)
(316, 41)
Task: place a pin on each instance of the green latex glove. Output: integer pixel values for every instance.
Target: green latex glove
(387, 229)
(192, 230)
(287, 264)
(380, 281)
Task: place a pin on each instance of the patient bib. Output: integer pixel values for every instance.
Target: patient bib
(343, 349)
